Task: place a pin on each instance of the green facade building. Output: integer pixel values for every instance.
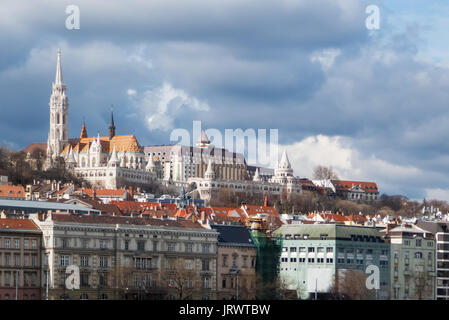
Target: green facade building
(315, 257)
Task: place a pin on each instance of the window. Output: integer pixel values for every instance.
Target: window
(234, 261)
(189, 264)
(26, 243)
(320, 250)
(292, 259)
(311, 260)
(330, 250)
(85, 243)
(189, 247)
(7, 259)
(34, 260)
(302, 249)
(103, 261)
(65, 261)
(141, 245)
(205, 265)
(84, 261)
(320, 260)
(16, 243)
(245, 258)
(418, 242)
(302, 260)
(292, 249)
(206, 247)
(65, 242)
(225, 261)
(323, 236)
(418, 255)
(103, 244)
(329, 260)
(102, 279)
(16, 260)
(84, 279)
(171, 247)
(154, 245)
(126, 244)
(206, 283)
(7, 243)
(311, 249)
(223, 284)
(84, 296)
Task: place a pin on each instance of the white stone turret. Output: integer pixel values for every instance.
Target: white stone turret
(59, 107)
(256, 177)
(209, 174)
(114, 161)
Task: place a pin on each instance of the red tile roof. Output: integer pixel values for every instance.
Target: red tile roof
(344, 185)
(10, 191)
(90, 219)
(105, 192)
(18, 224)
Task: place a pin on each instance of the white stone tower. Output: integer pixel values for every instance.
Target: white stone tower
(59, 107)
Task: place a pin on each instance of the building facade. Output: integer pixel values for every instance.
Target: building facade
(128, 258)
(283, 180)
(236, 264)
(441, 232)
(412, 256)
(315, 255)
(20, 261)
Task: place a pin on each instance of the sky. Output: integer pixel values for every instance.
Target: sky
(373, 104)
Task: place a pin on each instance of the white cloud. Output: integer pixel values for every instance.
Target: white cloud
(160, 106)
(348, 162)
(326, 57)
(437, 193)
(131, 92)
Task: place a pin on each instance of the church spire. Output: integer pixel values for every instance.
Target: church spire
(83, 131)
(112, 125)
(58, 78)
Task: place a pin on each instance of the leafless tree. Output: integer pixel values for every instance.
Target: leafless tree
(423, 287)
(324, 173)
(181, 278)
(351, 285)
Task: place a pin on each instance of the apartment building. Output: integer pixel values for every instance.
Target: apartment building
(20, 264)
(441, 232)
(128, 258)
(412, 256)
(236, 265)
(315, 256)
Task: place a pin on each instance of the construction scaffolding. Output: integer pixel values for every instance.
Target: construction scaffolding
(267, 264)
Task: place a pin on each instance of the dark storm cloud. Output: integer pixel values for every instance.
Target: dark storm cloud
(263, 64)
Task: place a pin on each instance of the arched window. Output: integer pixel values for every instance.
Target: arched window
(103, 296)
(84, 296)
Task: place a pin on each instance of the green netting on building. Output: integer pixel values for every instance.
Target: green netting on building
(267, 264)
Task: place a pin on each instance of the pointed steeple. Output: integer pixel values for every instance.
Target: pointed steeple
(58, 78)
(112, 125)
(114, 161)
(256, 175)
(209, 174)
(284, 163)
(71, 158)
(150, 164)
(203, 141)
(83, 131)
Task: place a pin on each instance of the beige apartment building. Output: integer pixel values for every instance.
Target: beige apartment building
(236, 265)
(127, 258)
(20, 263)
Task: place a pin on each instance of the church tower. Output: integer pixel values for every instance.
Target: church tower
(59, 107)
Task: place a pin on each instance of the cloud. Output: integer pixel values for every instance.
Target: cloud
(350, 164)
(162, 105)
(437, 193)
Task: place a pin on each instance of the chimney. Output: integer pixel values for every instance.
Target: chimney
(130, 192)
(265, 203)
